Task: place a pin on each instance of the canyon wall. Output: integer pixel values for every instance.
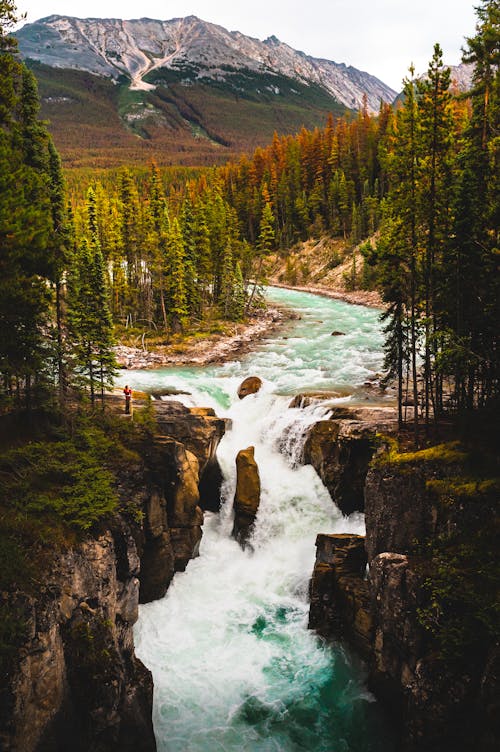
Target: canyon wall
(412, 599)
(75, 682)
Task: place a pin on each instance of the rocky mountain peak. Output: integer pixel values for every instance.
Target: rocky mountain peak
(133, 48)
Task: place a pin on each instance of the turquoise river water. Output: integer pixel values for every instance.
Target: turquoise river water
(235, 668)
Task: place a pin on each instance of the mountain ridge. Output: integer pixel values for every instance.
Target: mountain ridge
(137, 47)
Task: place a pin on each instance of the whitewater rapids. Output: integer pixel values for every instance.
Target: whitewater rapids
(234, 666)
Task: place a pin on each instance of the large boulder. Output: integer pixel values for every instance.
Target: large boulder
(247, 496)
(250, 385)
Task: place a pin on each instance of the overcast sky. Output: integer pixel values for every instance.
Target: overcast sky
(379, 36)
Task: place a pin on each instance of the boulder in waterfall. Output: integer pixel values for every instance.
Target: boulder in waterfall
(250, 385)
(337, 334)
(304, 399)
(247, 496)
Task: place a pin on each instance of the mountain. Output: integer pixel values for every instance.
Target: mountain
(191, 90)
(460, 79)
(461, 76)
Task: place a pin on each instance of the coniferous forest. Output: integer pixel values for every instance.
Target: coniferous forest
(418, 182)
(92, 258)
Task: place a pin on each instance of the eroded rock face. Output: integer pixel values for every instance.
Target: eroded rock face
(250, 385)
(445, 704)
(402, 510)
(174, 470)
(396, 593)
(340, 600)
(78, 684)
(75, 683)
(200, 431)
(442, 709)
(247, 496)
(157, 554)
(340, 450)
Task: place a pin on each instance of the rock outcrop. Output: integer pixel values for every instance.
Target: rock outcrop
(405, 506)
(200, 431)
(75, 682)
(416, 506)
(340, 450)
(422, 517)
(175, 471)
(304, 399)
(78, 684)
(250, 385)
(247, 496)
(340, 599)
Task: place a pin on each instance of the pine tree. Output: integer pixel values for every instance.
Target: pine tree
(472, 273)
(436, 134)
(227, 282)
(105, 356)
(157, 238)
(266, 237)
(188, 228)
(204, 268)
(400, 229)
(176, 282)
(60, 241)
(25, 224)
(238, 302)
(90, 320)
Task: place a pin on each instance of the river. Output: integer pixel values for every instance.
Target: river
(235, 668)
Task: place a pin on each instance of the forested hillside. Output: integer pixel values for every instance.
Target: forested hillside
(166, 249)
(181, 91)
(420, 182)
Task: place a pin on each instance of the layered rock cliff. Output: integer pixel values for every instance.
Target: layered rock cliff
(424, 617)
(77, 684)
(74, 682)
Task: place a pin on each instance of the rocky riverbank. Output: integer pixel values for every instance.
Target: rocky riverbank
(214, 348)
(369, 298)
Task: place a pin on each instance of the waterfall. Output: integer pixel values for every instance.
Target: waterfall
(234, 666)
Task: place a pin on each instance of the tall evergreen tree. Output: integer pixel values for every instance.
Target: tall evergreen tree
(401, 162)
(472, 272)
(60, 241)
(25, 225)
(176, 282)
(90, 321)
(436, 136)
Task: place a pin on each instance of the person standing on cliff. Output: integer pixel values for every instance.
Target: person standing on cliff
(128, 398)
